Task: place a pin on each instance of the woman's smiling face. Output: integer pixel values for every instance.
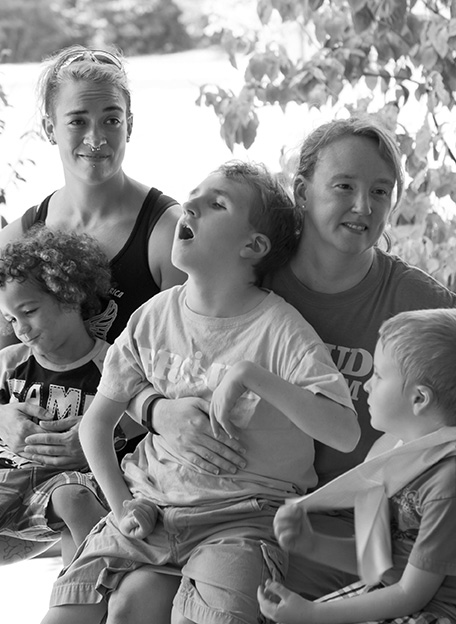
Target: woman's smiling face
(86, 115)
(349, 198)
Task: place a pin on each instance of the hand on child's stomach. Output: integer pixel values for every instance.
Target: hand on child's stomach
(17, 421)
(57, 444)
(139, 517)
(187, 431)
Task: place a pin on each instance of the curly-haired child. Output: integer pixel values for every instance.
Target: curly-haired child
(50, 282)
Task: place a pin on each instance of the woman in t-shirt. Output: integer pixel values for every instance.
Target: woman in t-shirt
(349, 180)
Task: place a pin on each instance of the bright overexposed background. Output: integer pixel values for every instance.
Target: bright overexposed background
(25, 589)
(175, 143)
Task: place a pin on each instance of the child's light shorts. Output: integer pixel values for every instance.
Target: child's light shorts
(223, 552)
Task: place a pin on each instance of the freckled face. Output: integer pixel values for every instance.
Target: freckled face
(349, 198)
(89, 114)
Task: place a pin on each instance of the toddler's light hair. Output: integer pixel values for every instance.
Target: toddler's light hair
(423, 343)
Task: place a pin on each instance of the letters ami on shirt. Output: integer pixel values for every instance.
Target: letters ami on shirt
(64, 393)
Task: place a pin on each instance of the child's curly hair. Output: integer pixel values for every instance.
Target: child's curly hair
(70, 267)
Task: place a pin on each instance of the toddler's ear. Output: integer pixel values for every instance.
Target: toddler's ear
(422, 397)
(258, 247)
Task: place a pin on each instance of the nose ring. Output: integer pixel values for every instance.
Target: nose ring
(92, 147)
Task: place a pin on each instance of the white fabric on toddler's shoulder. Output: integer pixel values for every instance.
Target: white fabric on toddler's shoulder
(388, 467)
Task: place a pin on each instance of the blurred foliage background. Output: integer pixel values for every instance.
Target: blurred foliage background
(32, 29)
(393, 58)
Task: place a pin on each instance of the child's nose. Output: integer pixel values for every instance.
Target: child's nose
(22, 327)
(367, 385)
(190, 207)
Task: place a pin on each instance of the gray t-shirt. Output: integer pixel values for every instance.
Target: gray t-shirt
(423, 520)
(183, 354)
(348, 323)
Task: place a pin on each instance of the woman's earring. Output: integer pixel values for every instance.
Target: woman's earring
(52, 141)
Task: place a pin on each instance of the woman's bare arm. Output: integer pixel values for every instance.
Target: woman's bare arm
(161, 239)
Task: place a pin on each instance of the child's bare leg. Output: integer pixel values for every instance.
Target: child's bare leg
(80, 510)
(68, 546)
(75, 614)
(143, 596)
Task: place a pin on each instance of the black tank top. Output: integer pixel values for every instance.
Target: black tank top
(132, 281)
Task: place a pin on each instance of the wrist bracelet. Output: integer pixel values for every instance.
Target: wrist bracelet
(147, 420)
(120, 439)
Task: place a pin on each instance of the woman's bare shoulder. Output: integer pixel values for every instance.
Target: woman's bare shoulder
(11, 232)
(160, 244)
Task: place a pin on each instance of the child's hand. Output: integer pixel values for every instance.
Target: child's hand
(281, 605)
(224, 399)
(139, 517)
(292, 528)
(57, 444)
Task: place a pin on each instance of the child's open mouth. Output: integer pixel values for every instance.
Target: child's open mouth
(185, 232)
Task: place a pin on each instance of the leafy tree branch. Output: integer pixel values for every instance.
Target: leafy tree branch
(404, 53)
